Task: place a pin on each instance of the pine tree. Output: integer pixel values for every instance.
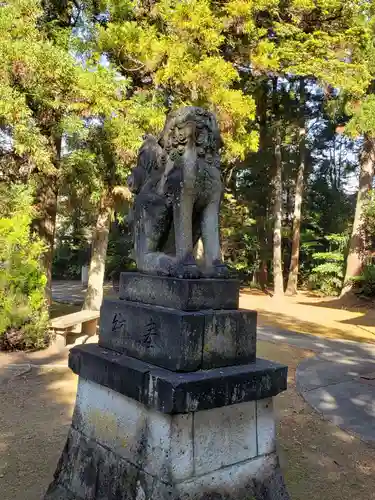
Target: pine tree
(169, 55)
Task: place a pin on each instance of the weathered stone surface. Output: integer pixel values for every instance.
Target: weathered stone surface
(224, 436)
(170, 447)
(270, 485)
(182, 446)
(166, 337)
(266, 427)
(117, 449)
(178, 340)
(89, 471)
(159, 444)
(171, 392)
(142, 428)
(59, 492)
(229, 338)
(178, 189)
(203, 390)
(247, 480)
(183, 294)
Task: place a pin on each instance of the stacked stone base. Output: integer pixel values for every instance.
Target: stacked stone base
(118, 448)
(148, 426)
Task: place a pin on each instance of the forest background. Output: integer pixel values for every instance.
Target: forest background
(81, 82)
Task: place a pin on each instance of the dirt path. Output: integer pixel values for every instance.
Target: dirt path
(349, 319)
(35, 416)
(320, 461)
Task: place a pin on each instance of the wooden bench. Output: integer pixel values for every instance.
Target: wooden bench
(67, 329)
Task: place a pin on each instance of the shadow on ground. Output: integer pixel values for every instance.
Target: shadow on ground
(35, 416)
(50, 356)
(338, 381)
(286, 322)
(61, 309)
(348, 318)
(72, 292)
(350, 302)
(367, 320)
(364, 307)
(320, 461)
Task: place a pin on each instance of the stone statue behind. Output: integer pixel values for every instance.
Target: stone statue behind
(178, 190)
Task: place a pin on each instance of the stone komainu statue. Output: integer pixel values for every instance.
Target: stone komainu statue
(178, 189)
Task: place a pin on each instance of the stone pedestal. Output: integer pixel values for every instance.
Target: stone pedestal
(172, 403)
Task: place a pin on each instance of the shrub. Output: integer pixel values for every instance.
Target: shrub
(365, 283)
(328, 273)
(23, 310)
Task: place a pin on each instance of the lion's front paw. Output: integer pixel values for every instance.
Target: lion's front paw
(188, 269)
(219, 270)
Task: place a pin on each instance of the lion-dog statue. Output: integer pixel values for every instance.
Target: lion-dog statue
(177, 193)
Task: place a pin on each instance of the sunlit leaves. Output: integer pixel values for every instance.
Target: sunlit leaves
(45, 91)
(133, 45)
(363, 116)
(174, 48)
(22, 281)
(192, 21)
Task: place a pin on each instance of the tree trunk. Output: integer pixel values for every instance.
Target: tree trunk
(278, 282)
(262, 276)
(94, 294)
(45, 226)
(199, 251)
(44, 223)
(357, 242)
(294, 262)
(264, 233)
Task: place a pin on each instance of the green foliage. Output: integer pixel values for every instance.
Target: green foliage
(119, 254)
(365, 283)
(239, 242)
(325, 42)
(73, 234)
(369, 218)
(101, 74)
(44, 90)
(172, 52)
(22, 281)
(329, 256)
(328, 274)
